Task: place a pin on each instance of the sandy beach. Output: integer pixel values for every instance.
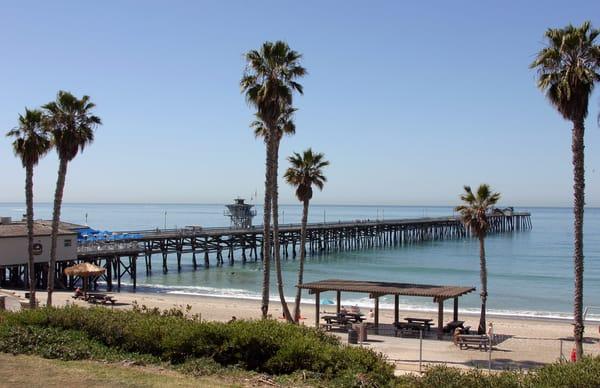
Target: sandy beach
(521, 343)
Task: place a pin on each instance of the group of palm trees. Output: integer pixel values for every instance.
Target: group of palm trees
(568, 69)
(67, 125)
(269, 83)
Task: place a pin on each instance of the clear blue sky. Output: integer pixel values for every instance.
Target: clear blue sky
(409, 102)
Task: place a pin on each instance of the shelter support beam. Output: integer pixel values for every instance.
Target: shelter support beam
(440, 318)
(455, 314)
(317, 306)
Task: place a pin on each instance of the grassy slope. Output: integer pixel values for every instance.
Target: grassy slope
(32, 371)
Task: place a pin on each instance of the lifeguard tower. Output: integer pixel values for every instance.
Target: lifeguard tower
(240, 213)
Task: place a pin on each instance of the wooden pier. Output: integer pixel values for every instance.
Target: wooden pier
(217, 246)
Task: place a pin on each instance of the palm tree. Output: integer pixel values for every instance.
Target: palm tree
(474, 215)
(71, 124)
(285, 126)
(306, 170)
(30, 145)
(268, 83)
(567, 69)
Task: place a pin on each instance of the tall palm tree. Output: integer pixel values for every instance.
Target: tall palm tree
(474, 214)
(71, 123)
(30, 145)
(285, 126)
(268, 83)
(306, 170)
(568, 68)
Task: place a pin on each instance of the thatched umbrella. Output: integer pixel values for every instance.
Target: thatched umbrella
(84, 270)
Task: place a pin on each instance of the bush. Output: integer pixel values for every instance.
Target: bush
(263, 346)
(585, 373)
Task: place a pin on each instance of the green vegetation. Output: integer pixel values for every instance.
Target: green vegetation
(256, 352)
(582, 374)
(264, 346)
(30, 145)
(474, 214)
(16, 371)
(269, 82)
(71, 123)
(306, 170)
(568, 67)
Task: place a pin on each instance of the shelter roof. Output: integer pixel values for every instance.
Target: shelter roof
(387, 288)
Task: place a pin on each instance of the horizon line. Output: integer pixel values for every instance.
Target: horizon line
(283, 204)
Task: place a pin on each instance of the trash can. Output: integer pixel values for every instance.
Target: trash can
(352, 336)
(361, 329)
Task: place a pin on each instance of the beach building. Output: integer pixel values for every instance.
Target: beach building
(13, 242)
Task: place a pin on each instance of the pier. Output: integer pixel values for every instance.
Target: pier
(227, 245)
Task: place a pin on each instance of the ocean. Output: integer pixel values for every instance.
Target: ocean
(530, 273)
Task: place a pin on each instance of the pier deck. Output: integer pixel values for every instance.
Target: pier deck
(120, 258)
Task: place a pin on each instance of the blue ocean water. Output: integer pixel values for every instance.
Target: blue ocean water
(530, 272)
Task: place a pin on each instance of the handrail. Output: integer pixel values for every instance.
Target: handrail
(588, 308)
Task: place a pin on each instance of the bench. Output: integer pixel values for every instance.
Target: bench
(465, 341)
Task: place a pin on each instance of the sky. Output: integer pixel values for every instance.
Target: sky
(409, 102)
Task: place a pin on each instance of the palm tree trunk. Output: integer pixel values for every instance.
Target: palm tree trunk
(29, 203)
(483, 274)
(58, 195)
(276, 247)
(302, 258)
(579, 202)
(267, 228)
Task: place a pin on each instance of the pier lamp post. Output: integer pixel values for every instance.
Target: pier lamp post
(165, 220)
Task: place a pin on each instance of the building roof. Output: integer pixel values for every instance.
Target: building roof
(387, 288)
(19, 229)
(62, 225)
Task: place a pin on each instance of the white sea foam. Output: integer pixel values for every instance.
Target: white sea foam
(365, 303)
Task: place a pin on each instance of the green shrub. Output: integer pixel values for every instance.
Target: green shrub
(585, 373)
(263, 346)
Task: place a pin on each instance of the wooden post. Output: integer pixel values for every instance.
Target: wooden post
(108, 273)
(2, 303)
(377, 311)
(455, 316)
(133, 270)
(396, 308)
(317, 305)
(339, 302)
(440, 318)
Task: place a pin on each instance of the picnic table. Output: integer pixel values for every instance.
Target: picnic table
(100, 298)
(342, 320)
(421, 323)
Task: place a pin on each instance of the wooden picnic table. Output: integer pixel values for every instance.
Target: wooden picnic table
(342, 320)
(424, 323)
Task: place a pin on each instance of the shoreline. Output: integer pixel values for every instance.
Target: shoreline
(305, 304)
